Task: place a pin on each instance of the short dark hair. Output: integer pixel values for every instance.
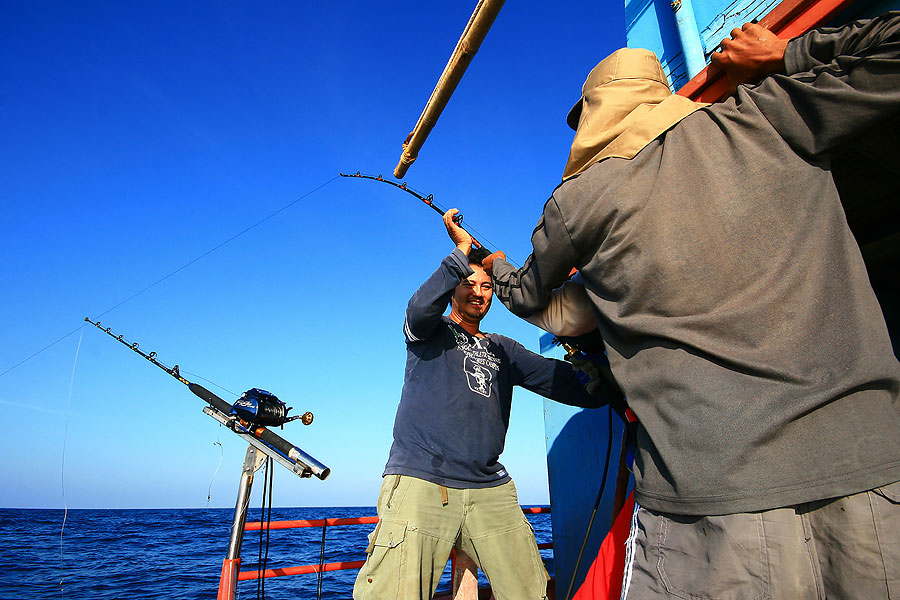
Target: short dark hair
(477, 255)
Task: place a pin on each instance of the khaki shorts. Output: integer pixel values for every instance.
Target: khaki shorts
(420, 523)
(841, 548)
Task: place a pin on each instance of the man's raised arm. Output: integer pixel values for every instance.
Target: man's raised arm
(527, 290)
(423, 313)
(840, 82)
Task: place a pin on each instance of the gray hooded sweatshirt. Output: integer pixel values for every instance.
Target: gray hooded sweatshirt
(733, 299)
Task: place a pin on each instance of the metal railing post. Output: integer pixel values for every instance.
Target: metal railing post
(253, 460)
(689, 34)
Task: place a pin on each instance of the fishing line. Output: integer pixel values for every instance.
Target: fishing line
(229, 240)
(62, 470)
(50, 345)
(217, 442)
(178, 270)
(209, 381)
(216, 472)
(493, 245)
(429, 201)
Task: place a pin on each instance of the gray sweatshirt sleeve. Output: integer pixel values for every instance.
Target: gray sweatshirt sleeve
(528, 290)
(820, 47)
(839, 83)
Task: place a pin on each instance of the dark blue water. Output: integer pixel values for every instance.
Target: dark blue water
(162, 554)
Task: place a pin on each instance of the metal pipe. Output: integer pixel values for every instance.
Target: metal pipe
(689, 34)
(301, 570)
(231, 566)
(253, 460)
(336, 522)
(282, 451)
(479, 24)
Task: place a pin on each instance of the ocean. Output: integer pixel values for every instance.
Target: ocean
(177, 553)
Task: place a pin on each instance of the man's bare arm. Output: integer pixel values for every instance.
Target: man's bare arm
(460, 237)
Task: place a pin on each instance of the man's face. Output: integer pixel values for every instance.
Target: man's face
(472, 297)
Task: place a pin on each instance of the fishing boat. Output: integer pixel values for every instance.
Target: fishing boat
(582, 445)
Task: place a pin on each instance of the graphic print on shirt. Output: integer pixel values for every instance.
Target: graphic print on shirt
(479, 377)
(479, 364)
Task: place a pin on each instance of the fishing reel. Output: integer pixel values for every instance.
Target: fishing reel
(260, 407)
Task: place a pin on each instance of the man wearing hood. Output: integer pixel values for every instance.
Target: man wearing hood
(738, 316)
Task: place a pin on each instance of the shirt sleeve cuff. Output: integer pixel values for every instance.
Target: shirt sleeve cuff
(793, 58)
(459, 260)
(502, 269)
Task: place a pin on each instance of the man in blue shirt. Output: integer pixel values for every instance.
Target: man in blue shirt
(443, 484)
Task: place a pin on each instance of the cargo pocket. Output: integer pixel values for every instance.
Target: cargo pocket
(890, 492)
(712, 557)
(541, 568)
(385, 561)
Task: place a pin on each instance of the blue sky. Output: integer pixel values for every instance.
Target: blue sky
(138, 136)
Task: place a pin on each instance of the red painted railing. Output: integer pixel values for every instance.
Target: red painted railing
(334, 566)
(788, 19)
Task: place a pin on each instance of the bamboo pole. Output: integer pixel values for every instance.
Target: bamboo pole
(479, 24)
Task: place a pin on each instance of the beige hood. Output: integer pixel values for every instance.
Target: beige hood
(625, 104)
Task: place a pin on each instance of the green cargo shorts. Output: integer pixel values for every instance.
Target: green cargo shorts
(420, 523)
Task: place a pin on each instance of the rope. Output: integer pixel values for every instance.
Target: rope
(263, 556)
(178, 270)
(262, 517)
(260, 577)
(270, 465)
(587, 533)
(321, 574)
(62, 470)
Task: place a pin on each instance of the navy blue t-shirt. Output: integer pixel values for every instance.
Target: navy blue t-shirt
(457, 392)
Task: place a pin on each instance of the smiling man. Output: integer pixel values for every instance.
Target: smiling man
(472, 297)
(443, 484)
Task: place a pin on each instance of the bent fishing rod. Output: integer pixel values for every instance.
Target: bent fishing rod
(247, 417)
(428, 200)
